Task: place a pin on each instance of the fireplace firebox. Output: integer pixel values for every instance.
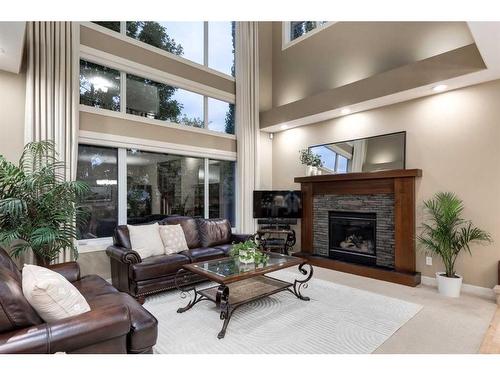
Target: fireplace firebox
(352, 236)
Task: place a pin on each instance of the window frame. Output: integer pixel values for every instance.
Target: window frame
(123, 36)
(89, 55)
(286, 29)
(100, 244)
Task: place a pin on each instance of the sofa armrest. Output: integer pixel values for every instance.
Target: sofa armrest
(70, 334)
(123, 255)
(238, 238)
(70, 270)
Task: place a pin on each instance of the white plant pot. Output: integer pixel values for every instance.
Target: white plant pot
(309, 170)
(245, 261)
(449, 286)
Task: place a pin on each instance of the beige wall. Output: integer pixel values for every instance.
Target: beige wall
(350, 51)
(95, 263)
(12, 99)
(137, 129)
(453, 137)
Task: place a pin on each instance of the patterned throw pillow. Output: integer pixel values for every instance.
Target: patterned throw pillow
(173, 238)
(51, 295)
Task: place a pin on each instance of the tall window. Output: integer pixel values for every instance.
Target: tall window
(222, 189)
(163, 102)
(99, 86)
(160, 184)
(206, 43)
(299, 28)
(221, 45)
(98, 167)
(157, 185)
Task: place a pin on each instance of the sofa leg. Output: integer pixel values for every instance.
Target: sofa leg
(140, 299)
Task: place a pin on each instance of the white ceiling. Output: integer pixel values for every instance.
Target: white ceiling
(487, 38)
(11, 45)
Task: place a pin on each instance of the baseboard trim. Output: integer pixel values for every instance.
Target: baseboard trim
(466, 288)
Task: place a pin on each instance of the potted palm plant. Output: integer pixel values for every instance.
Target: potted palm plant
(39, 209)
(446, 234)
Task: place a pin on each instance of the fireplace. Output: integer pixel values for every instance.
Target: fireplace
(352, 236)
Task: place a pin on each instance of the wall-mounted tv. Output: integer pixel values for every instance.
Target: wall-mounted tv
(286, 204)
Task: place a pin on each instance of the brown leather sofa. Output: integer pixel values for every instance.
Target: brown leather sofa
(206, 239)
(115, 324)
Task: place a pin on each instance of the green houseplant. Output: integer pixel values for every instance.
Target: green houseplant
(310, 160)
(247, 252)
(38, 208)
(446, 234)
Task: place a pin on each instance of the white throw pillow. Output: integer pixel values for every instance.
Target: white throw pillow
(146, 240)
(173, 238)
(51, 295)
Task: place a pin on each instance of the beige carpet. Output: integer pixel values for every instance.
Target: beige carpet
(338, 319)
(444, 325)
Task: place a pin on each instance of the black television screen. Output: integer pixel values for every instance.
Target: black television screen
(277, 204)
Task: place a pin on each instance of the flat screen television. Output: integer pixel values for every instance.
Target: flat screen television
(284, 204)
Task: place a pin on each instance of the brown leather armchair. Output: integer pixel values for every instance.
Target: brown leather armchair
(206, 239)
(115, 324)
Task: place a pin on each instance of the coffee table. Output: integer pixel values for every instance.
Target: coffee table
(241, 283)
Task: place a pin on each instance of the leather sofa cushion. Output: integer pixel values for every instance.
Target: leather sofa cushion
(203, 253)
(122, 237)
(226, 248)
(92, 286)
(15, 311)
(214, 232)
(189, 226)
(144, 325)
(158, 266)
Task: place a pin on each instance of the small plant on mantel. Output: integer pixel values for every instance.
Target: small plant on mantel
(247, 252)
(446, 234)
(309, 158)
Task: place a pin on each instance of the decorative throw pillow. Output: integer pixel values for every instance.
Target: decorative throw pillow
(51, 295)
(173, 238)
(146, 240)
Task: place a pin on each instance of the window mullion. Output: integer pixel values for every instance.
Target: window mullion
(205, 43)
(206, 188)
(205, 112)
(123, 92)
(123, 27)
(122, 186)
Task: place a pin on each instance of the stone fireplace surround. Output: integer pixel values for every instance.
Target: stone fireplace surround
(381, 204)
(321, 194)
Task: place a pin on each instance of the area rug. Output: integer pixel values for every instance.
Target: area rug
(337, 319)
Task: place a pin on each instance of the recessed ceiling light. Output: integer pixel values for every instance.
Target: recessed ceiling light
(283, 127)
(345, 111)
(439, 88)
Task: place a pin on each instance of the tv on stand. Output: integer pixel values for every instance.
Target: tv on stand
(279, 208)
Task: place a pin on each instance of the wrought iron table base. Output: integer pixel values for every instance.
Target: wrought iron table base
(222, 296)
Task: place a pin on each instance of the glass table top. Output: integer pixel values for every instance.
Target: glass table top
(228, 267)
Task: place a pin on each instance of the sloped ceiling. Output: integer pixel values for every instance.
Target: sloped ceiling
(12, 45)
(380, 64)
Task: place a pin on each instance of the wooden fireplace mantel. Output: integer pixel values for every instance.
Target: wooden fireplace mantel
(401, 183)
